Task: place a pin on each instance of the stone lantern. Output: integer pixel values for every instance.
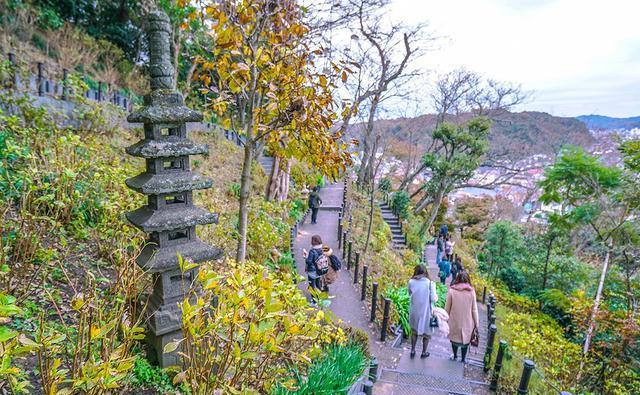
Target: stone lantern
(170, 217)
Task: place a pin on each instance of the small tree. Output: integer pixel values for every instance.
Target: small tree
(457, 154)
(473, 216)
(588, 193)
(260, 80)
(503, 246)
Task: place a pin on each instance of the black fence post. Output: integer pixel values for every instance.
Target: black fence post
(14, 70)
(349, 255)
(368, 387)
(339, 231)
(65, 77)
(523, 388)
(484, 295)
(489, 307)
(344, 245)
(365, 269)
(99, 93)
(356, 268)
(498, 366)
(373, 370)
(374, 301)
(492, 319)
(40, 79)
(385, 319)
(487, 355)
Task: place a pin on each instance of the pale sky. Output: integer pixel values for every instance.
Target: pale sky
(578, 56)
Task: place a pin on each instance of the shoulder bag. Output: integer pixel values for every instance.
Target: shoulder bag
(433, 321)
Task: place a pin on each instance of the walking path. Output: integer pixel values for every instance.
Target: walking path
(345, 299)
(399, 374)
(435, 374)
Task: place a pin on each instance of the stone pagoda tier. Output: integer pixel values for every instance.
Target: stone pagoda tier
(170, 217)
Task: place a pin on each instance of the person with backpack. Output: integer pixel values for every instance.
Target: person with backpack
(439, 249)
(314, 204)
(456, 267)
(334, 267)
(316, 263)
(422, 292)
(448, 248)
(445, 269)
(444, 230)
(463, 316)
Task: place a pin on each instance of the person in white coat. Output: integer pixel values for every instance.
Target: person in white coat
(422, 292)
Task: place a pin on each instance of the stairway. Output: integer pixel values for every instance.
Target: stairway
(399, 241)
(267, 164)
(436, 374)
(393, 382)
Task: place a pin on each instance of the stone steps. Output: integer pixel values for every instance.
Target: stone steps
(398, 239)
(392, 382)
(267, 164)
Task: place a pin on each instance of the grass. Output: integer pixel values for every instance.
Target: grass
(333, 373)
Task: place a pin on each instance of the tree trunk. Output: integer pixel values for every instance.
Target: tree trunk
(364, 164)
(245, 188)
(278, 185)
(366, 243)
(627, 280)
(368, 157)
(594, 311)
(545, 273)
(434, 210)
(284, 182)
(409, 179)
(272, 185)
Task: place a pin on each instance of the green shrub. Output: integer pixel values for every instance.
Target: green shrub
(234, 190)
(400, 203)
(48, 19)
(147, 376)
(385, 185)
(400, 298)
(333, 373)
(441, 290)
(39, 42)
(297, 210)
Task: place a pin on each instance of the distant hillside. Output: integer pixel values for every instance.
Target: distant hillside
(601, 122)
(514, 134)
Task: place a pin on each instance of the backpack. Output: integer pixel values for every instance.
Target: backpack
(335, 263)
(449, 248)
(322, 265)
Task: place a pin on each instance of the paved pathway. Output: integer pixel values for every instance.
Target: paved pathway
(399, 374)
(345, 298)
(435, 374)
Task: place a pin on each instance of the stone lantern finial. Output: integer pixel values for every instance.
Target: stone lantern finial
(159, 37)
(170, 216)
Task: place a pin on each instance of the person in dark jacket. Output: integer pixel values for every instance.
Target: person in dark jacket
(439, 249)
(445, 269)
(444, 230)
(456, 267)
(314, 204)
(310, 262)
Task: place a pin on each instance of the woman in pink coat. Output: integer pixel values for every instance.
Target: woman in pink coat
(463, 314)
